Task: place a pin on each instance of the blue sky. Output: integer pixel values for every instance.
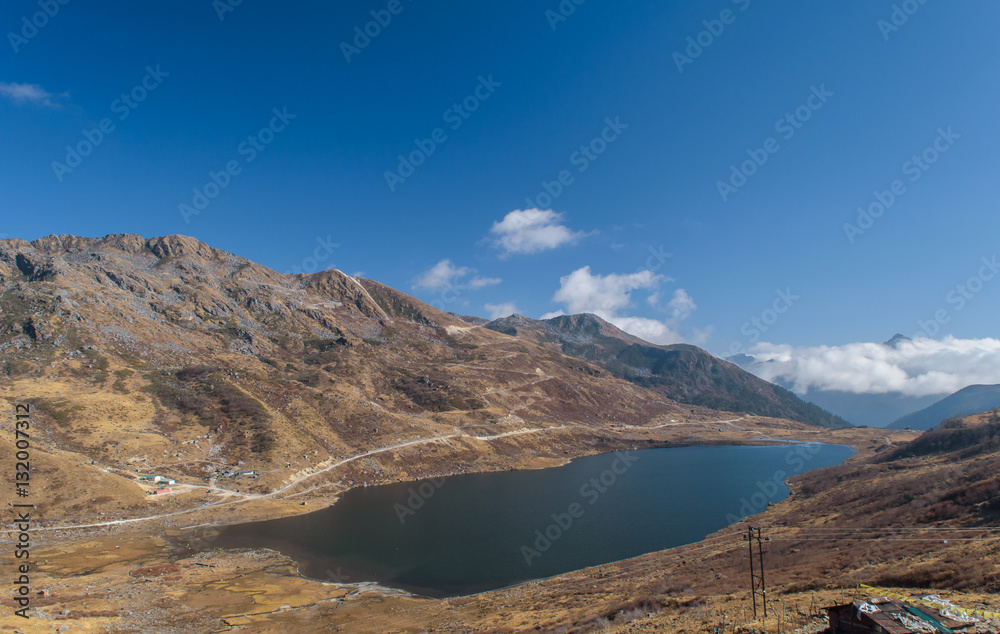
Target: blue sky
(864, 99)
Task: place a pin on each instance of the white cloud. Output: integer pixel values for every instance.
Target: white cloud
(24, 93)
(482, 282)
(682, 305)
(699, 336)
(652, 330)
(496, 311)
(608, 295)
(553, 314)
(444, 275)
(920, 367)
(440, 276)
(531, 231)
(584, 292)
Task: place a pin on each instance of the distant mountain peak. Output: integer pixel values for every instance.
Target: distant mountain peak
(741, 359)
(592, 324)
(896, 340)
(972, 399)
(471, 319)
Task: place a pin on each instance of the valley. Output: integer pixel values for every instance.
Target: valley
(176, 388)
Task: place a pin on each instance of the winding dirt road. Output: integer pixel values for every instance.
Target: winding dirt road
(297, 481)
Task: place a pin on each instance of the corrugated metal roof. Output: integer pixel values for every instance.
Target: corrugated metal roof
(888, 622)
(899, 617)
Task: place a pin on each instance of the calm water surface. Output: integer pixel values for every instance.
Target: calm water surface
(470, 533)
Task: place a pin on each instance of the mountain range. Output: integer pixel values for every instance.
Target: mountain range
(681, 372)
(973, 399)
(873, 410)
(264, 393)
(167, 354)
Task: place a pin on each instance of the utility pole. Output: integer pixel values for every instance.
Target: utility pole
(760, 560)
(757, 581)
(753, 577)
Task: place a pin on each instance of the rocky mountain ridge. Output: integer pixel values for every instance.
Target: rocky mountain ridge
(681, 372)
(168, 354)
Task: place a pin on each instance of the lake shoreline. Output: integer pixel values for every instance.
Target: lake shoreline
(217, 585)
(291, 535)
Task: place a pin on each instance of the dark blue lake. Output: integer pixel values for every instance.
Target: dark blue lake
(470, 533)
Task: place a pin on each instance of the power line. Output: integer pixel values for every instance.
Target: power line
(757, 580)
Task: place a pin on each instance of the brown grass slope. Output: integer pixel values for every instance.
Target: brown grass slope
(919, 515)
(904, 513)
(167, 354)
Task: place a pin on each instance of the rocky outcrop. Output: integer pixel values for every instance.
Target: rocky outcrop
(301, 362)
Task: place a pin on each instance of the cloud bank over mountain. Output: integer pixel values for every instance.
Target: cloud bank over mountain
(914, 367)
